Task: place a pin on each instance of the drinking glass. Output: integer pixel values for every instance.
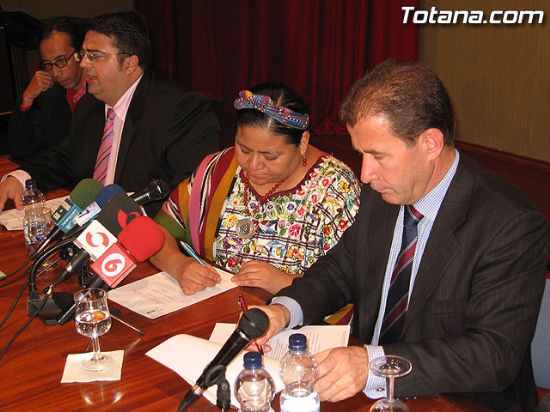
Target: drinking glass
(390, 367)
(93, 319)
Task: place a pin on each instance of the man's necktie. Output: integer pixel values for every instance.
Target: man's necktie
(102, 160)
(396, 303)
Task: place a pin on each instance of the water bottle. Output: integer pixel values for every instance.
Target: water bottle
(254, 388)
(36, 223)
(299, 371)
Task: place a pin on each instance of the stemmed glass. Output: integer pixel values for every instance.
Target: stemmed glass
(390, 367)
(93, 319)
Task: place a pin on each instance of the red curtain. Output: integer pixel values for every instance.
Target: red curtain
(318, 47)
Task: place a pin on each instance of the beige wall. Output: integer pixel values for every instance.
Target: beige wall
(42, 9)
(498, 76)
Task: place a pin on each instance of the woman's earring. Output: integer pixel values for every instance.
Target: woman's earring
(304, 161)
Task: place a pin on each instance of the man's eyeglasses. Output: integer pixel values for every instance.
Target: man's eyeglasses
(59, 63)
(93, 56)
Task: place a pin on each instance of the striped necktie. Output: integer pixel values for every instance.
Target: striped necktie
(396, 303)
(102, 161)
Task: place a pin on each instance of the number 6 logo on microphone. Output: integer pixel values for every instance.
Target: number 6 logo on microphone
(113, 265)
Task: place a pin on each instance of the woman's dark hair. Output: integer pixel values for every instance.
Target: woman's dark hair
(282, 96)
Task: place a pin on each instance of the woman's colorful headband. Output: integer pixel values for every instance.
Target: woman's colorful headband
(248, 100)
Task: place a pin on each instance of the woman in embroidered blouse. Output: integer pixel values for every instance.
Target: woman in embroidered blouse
(264, 209)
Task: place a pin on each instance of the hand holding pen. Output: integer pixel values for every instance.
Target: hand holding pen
(193, 278)
(244, 308)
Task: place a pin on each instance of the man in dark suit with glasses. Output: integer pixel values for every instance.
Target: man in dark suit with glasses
(130, 127)
(42, 113)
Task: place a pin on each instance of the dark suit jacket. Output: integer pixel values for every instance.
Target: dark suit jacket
(473, 309)
(42, 126)
(166, 134)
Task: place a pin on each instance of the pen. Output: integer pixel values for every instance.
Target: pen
(244, 308)
(189, 250)
(127, 324)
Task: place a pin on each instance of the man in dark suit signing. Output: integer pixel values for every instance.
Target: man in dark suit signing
(444, 263)
(132, 126)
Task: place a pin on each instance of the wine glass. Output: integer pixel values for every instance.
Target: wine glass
(93, 319)
(390, 367)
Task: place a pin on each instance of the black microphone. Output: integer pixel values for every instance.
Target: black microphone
(252, 325)
(158, 189)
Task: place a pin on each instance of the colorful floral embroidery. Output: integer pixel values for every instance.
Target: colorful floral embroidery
(294, 227)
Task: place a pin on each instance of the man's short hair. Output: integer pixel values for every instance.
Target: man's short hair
(408, 95)
(129, 34)
(75, 29)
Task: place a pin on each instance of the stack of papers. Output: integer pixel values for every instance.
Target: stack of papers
(13, 219)
(160, 294)
(188, 355)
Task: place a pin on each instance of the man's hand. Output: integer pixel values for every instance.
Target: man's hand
(343, 372)
(262, 275)
(40, 82)
(11, 189)
(279, 317)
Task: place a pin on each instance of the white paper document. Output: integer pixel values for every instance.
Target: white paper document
(160, 294)
(319, 338)
(188, 355)
(13, 219)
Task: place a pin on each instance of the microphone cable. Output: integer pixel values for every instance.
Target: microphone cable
(14, 273)
(25, 326)
(38, 262)
(23, 287)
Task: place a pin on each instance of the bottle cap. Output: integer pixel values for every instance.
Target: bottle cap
(29, 183)
(297, 341)
(252, 360)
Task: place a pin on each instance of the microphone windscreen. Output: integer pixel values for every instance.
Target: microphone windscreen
(142, 238)
(118, 213)
(107, 194)
(85, 192)
(254, 323)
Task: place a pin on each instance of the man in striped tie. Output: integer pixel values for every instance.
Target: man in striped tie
(131, 127)
(445, 263)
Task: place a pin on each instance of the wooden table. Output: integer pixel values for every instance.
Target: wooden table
(30, 372)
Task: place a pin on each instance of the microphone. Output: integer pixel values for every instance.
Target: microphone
(158, 189)
(102, 232)
(140, 240)
(93, 209)
(252, 325)
(82, 195)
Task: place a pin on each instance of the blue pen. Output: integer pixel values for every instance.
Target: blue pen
(189, 250)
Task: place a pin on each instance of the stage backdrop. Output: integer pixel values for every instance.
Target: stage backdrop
(319, 47)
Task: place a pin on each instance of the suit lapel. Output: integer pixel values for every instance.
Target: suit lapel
(380, 217)
(442, 244)
(132, 117)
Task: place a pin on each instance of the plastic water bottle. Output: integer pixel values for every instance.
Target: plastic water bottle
(299, 371)
(254, 388)
(36, 224)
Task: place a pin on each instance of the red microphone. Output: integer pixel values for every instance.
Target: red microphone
(137, 242)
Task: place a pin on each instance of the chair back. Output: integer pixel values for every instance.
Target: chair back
(540, 346)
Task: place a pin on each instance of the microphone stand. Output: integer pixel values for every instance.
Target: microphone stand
(215, 375)
(55, 302)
